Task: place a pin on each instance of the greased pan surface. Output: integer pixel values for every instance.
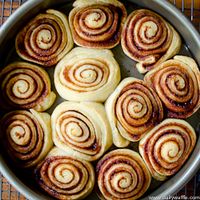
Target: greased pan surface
(191, 47)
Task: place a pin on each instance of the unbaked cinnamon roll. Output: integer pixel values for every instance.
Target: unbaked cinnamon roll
(177, 83)
(122, 174)
(97, 24)
(81, 129)
(87, 75)
(64, 176)
(45, 39)
(132, 109)
(25, 86)
(166, 147)
(26, 136)
(148, 39)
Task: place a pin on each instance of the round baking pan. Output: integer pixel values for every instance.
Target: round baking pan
(191, 47)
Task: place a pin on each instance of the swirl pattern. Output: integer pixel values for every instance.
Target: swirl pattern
(81, 129)
(166, 147)
(45, 39)
(26, 86)
(97, 24)
(87, 75)
(65, 177)
(148, 39)
(133, 109)
(177, 83)
(122, 174)
(26, 136)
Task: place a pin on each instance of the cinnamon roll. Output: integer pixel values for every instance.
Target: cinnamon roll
(122, 174)
(87, 75)
(166, 147)
(81, 129)
(45, 39)
(64, 176)
(132, 109)
(148, 39)
(26, 136)
(25, 86)
(97, 23)
(177, 83)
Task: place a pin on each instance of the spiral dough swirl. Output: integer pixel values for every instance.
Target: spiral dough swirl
(26, 86)
(97, 24)
(133, 109)
(122, 174)
(177, 83)
(25, 136)
(166, 147)
(87, 75)
(75, 129)
(148, 39)
(65, 177)
(45, 39)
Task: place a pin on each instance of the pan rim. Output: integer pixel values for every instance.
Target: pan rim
(192, 168)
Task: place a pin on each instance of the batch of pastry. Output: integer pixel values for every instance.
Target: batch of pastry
(101, 109)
